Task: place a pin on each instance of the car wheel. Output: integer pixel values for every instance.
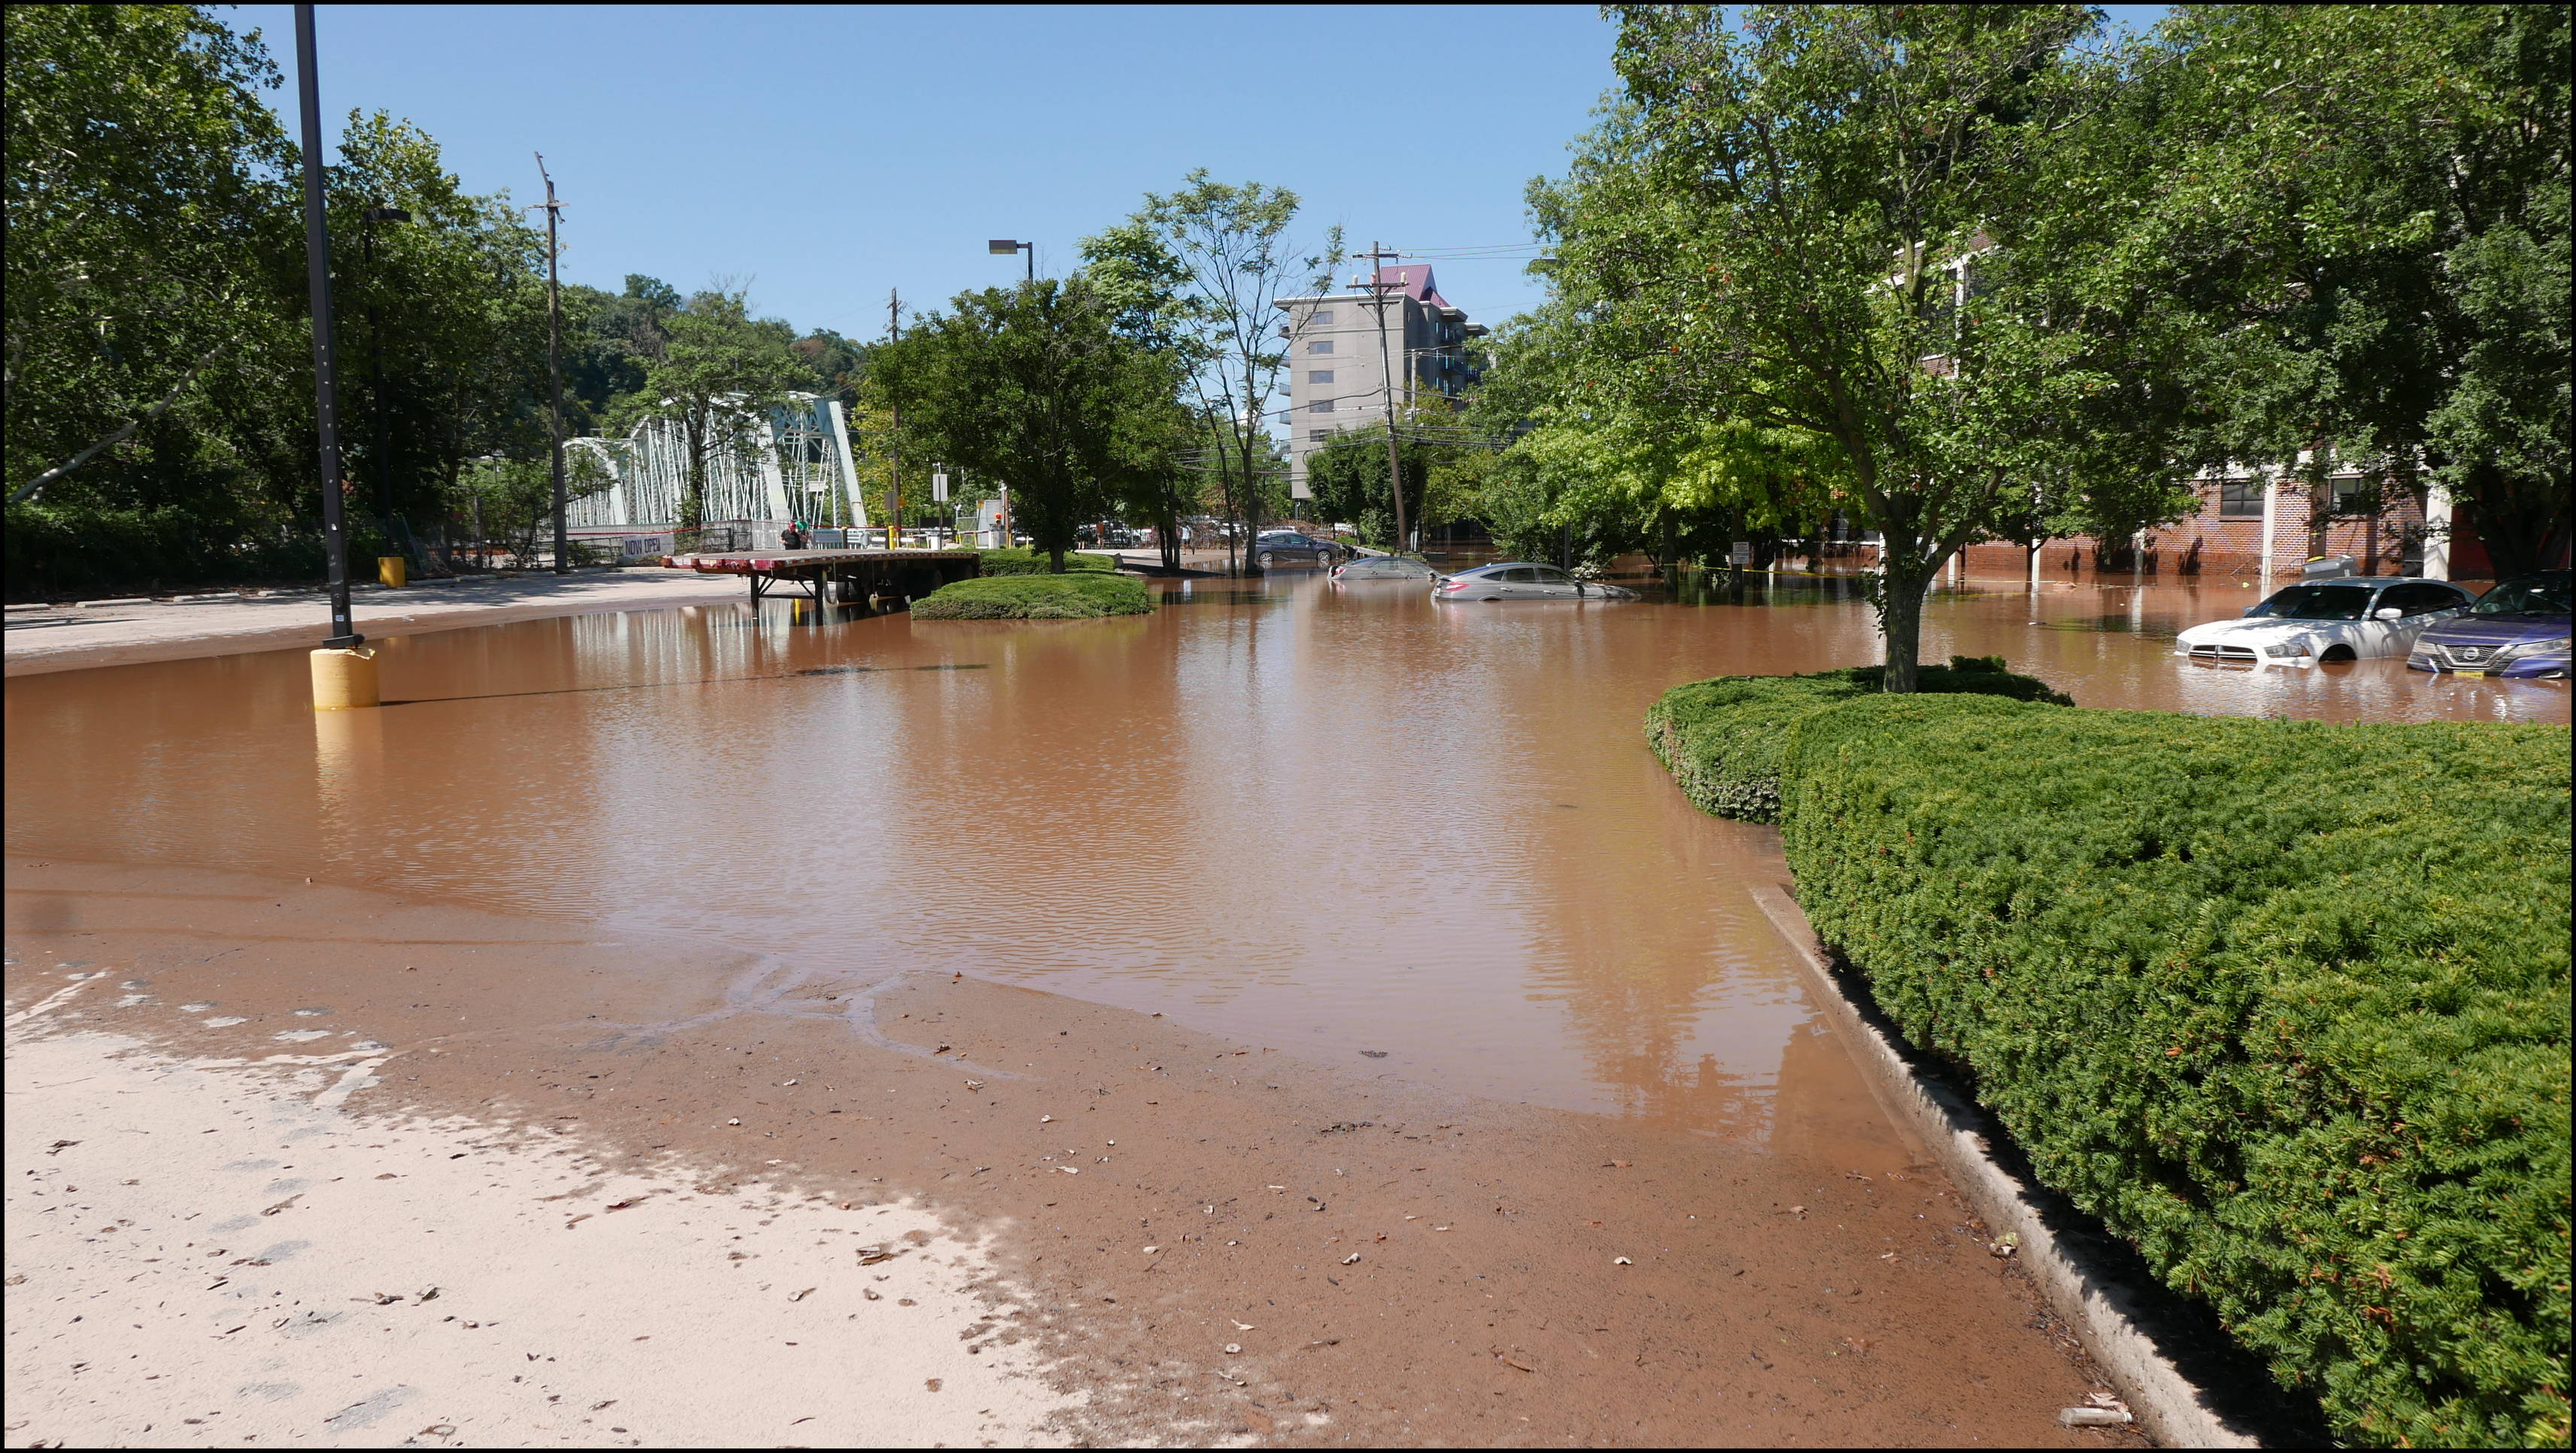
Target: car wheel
(1264, 559)
(2334, 654)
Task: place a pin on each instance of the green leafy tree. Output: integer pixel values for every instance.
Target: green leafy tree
(2367, 207)
(1036, 387)
(444, 313)
(1348, 475)
(1782, 227)
(151, 230)
(719, 373)
(1199, 273)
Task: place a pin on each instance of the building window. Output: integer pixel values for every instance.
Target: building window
(1320, 406)
(2353, 495)
(1319, 375)
(1318, 436)
(2240, 499)
(1320, 345)
(1321, 317)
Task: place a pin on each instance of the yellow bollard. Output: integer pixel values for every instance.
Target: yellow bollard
(343, 678)
(393, 571)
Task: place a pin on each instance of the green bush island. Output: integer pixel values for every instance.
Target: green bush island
(2284, 1003)
(1016, 561)
(1070, 596)
(1721, 738)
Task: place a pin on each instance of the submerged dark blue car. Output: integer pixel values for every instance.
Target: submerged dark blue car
(2517, 630)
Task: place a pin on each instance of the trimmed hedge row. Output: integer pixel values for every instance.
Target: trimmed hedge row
(1036, 597)
(1721, 739)
(1016, 561)
(2284, 1003)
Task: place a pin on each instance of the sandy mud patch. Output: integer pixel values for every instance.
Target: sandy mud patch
(1115, 1230)
(206, 1252)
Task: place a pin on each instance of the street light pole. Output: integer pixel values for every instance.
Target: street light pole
(326, 390)
(554, 378)
(1004, 247)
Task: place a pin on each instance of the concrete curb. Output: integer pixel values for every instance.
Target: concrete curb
(2103, 1309)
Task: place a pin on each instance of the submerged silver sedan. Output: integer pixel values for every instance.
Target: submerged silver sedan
(1522, 580)
(1385, 567)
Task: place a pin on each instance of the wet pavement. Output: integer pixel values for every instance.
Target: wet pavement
(1344, 822)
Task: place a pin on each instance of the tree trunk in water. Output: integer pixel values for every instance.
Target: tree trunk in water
(1167, 534)
(1900, 613)
(1251, 514)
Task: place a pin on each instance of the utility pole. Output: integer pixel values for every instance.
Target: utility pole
(894, 447)
(326, 385)
(554, 377)
(1378, 256)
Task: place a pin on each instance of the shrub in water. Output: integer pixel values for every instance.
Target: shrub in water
(1016, 561)
(1036, 597)
(1721, 739)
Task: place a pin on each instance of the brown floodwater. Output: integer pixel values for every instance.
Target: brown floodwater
(1338, 821)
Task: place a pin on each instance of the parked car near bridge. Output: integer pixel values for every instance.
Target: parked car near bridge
(2319, 621)
(1523, 580)
(2517, 630)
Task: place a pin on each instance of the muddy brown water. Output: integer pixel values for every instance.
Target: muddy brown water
(1342, 821)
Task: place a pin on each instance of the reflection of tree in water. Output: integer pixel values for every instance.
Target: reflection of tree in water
(1635, 1023)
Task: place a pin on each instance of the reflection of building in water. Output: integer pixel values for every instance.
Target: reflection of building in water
(794, 465)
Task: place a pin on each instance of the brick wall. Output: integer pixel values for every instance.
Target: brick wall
(2209, 544)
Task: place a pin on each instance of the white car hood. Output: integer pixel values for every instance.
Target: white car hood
(2264, 631)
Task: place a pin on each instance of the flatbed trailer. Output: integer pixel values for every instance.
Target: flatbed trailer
(873, 580)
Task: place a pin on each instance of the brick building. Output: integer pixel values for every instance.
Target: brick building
(2386, 528)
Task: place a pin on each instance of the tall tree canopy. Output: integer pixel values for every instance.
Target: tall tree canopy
(1199, 273)
(1799, 227)
(2366, 208)
(1036, 387)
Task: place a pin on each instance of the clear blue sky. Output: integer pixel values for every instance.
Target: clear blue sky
(823, 155)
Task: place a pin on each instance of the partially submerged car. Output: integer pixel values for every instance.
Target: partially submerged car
(1523, 580)
(1385, 567)
(2517, 630)
(1284, 547)
(2315, 621)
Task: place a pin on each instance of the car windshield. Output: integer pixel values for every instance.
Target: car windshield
(2317, 603)
(2532, 595)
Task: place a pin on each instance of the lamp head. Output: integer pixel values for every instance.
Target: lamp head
(1003, 246)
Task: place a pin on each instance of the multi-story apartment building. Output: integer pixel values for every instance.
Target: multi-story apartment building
(1342, 347)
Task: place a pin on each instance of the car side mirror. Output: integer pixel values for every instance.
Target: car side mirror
(2388, 613)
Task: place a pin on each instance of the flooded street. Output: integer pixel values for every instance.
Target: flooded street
(1342, 822)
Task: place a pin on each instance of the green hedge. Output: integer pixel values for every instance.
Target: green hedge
(1016, 561)
(1722, 738)
(2284, 1003)
(1036, 597)
(71, 550)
